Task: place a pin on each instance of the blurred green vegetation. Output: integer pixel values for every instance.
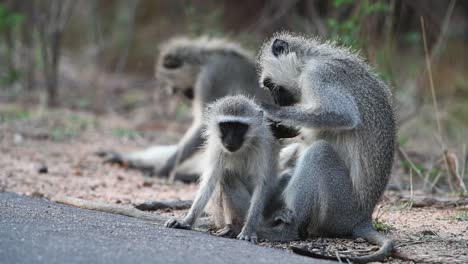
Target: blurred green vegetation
(9, 22)
(53, 124)
(107, 50)
(461, 216)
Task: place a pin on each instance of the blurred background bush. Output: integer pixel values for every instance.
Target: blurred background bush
(98, 56)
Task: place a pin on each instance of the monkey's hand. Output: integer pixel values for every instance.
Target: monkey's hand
(174, 223)
(281, 131)
(285, 216)
(248, 235)
(230, 231)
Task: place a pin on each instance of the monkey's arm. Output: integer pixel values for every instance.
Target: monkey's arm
(312, 118)
(325, 102)
(208, 184)
(332, 110)
(188, 145)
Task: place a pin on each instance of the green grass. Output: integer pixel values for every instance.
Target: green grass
(13, 113)
(128, 133)
(382, 226)
(59, 124)
(461, 216)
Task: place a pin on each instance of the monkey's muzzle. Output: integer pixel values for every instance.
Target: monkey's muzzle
(281, 95)
(232, 134)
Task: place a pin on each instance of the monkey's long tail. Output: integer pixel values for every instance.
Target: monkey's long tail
(127, 210)
(371, 235)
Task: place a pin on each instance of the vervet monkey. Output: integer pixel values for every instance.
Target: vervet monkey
(242, 170)
(201, 70)
(346, 112)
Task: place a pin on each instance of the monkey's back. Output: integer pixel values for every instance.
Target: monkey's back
(231, 74)
(367, 150)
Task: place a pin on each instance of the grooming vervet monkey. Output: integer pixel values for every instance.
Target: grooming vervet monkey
(201, 70)
(346, 111)
(242, 172)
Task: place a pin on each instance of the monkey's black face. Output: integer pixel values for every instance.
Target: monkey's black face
(281, 95)
(172, 62)
(279, 47)
(188, 93)
(233, 134)
(185, 92)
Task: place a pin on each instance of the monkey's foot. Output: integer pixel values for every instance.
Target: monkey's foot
(285, 216)
(148, 173)
(230, 231)
(112, 157)
(174, 223)
(164, 172)
(248, 236)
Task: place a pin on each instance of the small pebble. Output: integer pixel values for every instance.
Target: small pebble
(37, 194)
(359, 240)
(43, 169)
(147, 184)
(18, 138)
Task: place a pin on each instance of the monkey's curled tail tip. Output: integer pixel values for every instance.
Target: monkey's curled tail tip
(386, 247)
(307, 253)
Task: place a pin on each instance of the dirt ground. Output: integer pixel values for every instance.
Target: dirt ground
(44, 157)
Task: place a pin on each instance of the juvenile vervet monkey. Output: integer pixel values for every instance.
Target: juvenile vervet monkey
(346, 111)
(201, 70)
(242, 171)
(243, 151)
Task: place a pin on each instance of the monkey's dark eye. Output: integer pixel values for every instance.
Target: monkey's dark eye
(172, 62)
(279, 47)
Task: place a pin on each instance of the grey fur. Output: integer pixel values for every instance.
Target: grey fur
(237, 186)
(346, 112)
(213, 68)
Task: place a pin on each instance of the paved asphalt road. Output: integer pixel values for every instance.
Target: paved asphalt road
(40, 231)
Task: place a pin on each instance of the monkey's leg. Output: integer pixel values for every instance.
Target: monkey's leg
(214, 208)
(186, 148)
(150, 158)
(331, 209)
(319, 184)
(320, 192)
(235, 198)
(154, 158)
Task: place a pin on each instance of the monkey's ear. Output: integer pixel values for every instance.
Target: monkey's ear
(261, 114)
(279, 47)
